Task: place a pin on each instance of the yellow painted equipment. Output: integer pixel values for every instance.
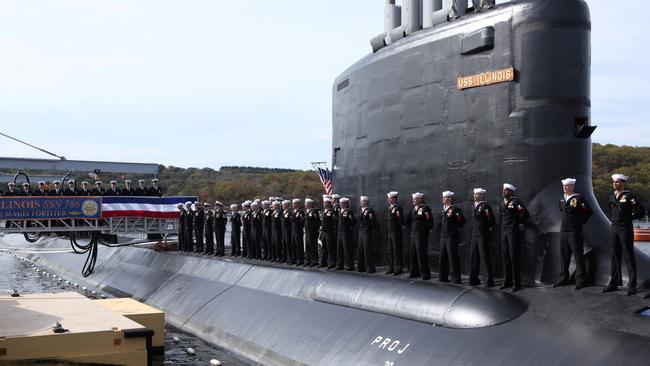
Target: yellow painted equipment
(94, 333)
(140, 313)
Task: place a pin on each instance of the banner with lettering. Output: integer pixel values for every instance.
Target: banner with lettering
(43, 208)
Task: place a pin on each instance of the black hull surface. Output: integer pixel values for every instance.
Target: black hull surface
(288, 316)
(400, 123)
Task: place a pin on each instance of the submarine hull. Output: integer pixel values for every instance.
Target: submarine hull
(402, 122)
(292, 316)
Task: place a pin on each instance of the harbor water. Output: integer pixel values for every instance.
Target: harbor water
(17, 274)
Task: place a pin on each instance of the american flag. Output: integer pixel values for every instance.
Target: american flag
(146, 207)
(325, 178)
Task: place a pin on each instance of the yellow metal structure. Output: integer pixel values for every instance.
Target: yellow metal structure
(140, 313)
(94, 333)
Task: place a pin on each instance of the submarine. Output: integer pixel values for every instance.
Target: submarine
(501, 95)
(446, 100)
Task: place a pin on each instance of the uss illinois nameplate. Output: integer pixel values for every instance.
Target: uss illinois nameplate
(486, 78)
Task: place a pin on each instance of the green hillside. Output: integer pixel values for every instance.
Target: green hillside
(232, 184)
(235, 184)
(631, 161)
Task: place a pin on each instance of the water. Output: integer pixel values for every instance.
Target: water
(19, 275)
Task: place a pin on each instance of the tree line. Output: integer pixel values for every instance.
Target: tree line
(236, 184)
(232, 184)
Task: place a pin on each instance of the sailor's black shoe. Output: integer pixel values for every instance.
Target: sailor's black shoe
(561, 283)
(631, 291)
(609, 288)
(505, 286)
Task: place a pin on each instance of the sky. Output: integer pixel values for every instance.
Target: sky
(204, 83)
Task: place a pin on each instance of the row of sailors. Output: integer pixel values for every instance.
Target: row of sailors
(71, 190)
(276, 231)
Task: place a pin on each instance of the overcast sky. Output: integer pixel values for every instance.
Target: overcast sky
(212, 83)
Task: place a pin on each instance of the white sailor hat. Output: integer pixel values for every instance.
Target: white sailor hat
(620, 177)
(344, 200)
(327, 199)
(41, 182)
(246, 203)
(217, 203)
(57, 182)
(295, 200)
(207, 204)
(325, 196)
(234, 205)
(127, 181)
(417, 195)
(180, 204)
(188, 203)
(257, 200)
(25, 184)
(155, 180)
(71, 181)
(255, 203)
(271, 198)
(391, 194)
(84, 182)
(276, 203)
(364, 198)
(99, 182)
(336, 196)
(286, 202)
(11, 184)
(198, 203)
(568, 181)
(266, 202)
(140, 180)
(509, 186)
(447, 194)
(113, 182)
(309, 200)
(479, 191)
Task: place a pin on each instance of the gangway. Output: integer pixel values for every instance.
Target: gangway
(112, 226)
